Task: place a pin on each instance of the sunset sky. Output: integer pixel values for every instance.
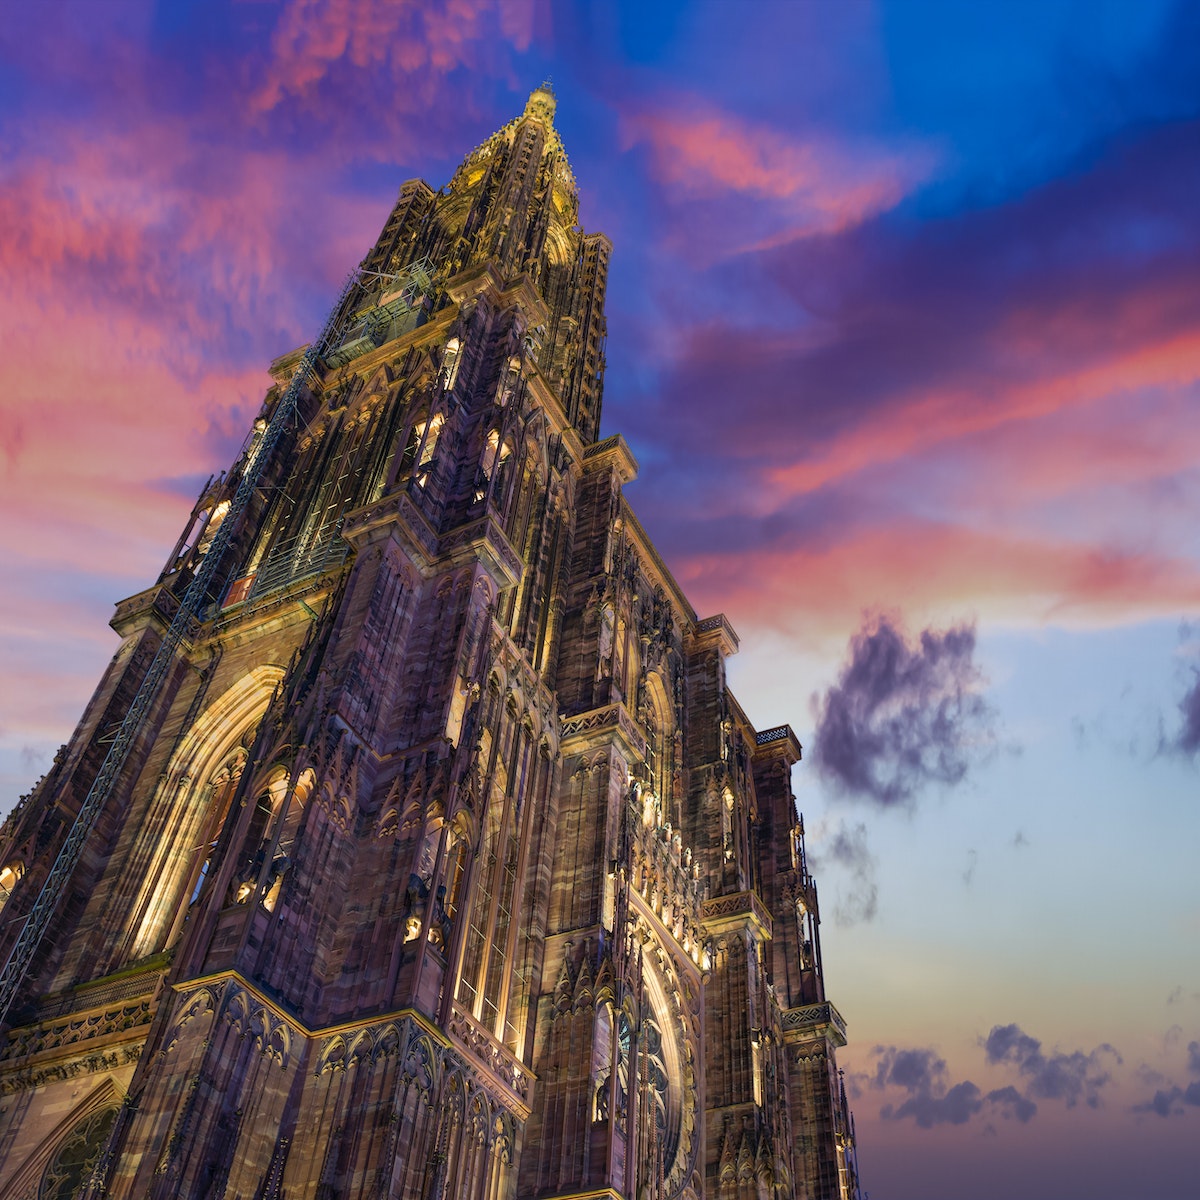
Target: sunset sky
(904, 331)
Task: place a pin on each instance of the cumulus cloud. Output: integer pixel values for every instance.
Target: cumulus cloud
(932, 1099)
(903, 714)
(846, 847)
(1174, 1099)
(1171, 1101)
(1068, 1077)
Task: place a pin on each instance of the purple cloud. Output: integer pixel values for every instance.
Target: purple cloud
(902, 715)
(1171, 1101)
(1069, 1077)
(847, 848)
(932, 1100)
(1168, 1102)
(1187, 740)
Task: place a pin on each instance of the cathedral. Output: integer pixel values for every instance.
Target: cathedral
(412, 845)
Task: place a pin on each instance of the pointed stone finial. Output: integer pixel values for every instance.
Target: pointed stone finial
(541, 103)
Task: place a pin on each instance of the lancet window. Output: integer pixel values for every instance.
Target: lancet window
(9, 877)
(450, 364)
(420, 448)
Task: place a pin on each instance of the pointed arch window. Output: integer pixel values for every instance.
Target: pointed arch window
(421, 447)
(9, 877)
(215, 521)
(493, 463)
(451, 361)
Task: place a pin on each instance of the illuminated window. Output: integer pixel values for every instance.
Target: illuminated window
(495, 456)
(8, 880)
(450, 364)
(495, 453)
(214, 524)
(483, 982)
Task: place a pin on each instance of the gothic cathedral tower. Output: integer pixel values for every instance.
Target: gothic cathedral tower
(412, 844)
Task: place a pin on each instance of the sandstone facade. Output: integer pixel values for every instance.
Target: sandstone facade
(443, 863)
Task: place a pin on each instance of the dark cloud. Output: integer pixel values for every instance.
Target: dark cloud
(918, 1070)
(1013, 1103)
(903, 715)
(847, 848)
(1067, 1077)
(1177, 995)
(1186, 740)
(932, 1099)
(1168, 1101)
(956, 1107)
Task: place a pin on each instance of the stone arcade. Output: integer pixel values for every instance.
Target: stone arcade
(441, 863)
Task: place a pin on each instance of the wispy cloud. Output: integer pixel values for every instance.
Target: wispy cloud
(818, 183)
(845, 846)
(903, 714)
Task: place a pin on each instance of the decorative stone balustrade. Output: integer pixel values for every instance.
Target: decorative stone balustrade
(813, 1021)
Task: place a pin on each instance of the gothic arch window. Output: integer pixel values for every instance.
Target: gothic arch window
(484, 977)
(278, 812)
(660, 738)
(510, 378)
(496, 453)
(287, 814)
(451, 361)
(650, 1089)
(222, 787)
(420, 448)
(71, 1165)
(215, 521)
(9, 877)
(174, 854)
(455, 873)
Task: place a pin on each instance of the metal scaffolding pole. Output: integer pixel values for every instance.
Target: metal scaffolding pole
(183, 623)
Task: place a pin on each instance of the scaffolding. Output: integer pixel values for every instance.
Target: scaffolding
(182, 627)
(398, 309)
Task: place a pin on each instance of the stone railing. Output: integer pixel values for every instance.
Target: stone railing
(498, 1062)
(612, 716)
(815, 1020)
(738, 905)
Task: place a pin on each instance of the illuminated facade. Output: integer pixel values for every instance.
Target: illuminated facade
(442, 863)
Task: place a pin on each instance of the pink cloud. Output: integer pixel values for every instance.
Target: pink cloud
(944, 416)
(938, 573)
(822, 185)
(401, 41)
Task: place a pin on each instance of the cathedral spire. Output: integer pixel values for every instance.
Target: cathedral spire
(541, 103)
